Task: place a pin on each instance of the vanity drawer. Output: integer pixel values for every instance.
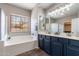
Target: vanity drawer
(54, 39)
(72, 51)
(41, 36)
(74, 43)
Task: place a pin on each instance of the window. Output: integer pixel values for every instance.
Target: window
(19, 24)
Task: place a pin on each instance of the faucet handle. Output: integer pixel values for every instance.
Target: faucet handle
(9, 38)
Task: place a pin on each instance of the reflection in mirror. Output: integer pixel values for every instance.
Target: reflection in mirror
(41, 23)
(54, 27)
(67, 25)
(47, 25)
(75, 26)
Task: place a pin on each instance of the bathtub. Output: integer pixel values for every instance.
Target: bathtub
(19, 44)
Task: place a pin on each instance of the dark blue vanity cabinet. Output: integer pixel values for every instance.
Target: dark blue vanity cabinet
(47, 44)
(72, 51)
(64, 42)
(73, 48)
(58, 46)
(41, 41)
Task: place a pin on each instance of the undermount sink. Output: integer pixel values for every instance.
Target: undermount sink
(68, 34)
(57, 33)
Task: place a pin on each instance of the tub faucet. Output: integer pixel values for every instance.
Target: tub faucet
(9, 38)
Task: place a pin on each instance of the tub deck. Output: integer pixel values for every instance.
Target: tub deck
(19, 44)
(18, 40)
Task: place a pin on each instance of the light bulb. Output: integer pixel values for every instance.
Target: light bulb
(67, 9)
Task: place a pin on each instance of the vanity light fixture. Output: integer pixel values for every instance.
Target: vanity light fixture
(68, 9)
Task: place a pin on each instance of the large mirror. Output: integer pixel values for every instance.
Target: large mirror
(58, 26)
(62, 20)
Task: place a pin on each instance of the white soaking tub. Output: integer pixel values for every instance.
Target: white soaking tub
(19, 44)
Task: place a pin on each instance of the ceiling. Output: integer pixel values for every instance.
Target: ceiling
(30, 6)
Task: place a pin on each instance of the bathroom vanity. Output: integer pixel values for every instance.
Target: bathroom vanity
(59, 36)
(60, 39)
(58, 45)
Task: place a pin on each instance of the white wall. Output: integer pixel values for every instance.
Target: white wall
(3, 25)
(1, 42)
(36, 12)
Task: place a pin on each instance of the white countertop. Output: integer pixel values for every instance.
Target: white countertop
(61, 35)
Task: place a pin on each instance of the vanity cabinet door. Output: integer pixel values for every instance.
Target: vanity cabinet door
(72, 51)
(41, 41)
(47, 44)
(56, 47)
(64, 42)
(73, 48)
(73, 42)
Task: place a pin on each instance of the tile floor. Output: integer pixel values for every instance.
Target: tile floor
(34, 52)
